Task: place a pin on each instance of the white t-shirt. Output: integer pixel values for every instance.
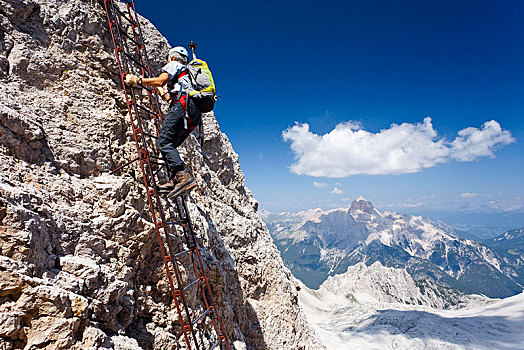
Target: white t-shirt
(174, 69)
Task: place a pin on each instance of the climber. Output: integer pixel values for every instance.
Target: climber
(180, 120)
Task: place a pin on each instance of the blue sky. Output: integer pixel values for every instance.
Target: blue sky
(375, 63)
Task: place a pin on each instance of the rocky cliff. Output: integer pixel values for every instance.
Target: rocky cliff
(80, 267)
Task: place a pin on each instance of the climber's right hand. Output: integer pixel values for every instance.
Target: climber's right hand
(131, 79)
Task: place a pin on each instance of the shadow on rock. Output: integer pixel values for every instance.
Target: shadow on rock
(227, 287)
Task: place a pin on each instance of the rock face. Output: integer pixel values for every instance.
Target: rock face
(80, 267)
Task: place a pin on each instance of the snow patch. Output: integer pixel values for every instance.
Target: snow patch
(343, 323)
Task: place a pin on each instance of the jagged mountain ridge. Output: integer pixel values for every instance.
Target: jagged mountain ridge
(376, 283)
(80, 267)
(333, 240)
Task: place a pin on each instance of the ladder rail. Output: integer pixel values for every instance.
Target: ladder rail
(140, 142)
(120, 62)
(188, 228)
(143, 63)
(145, 145)
(153, 99)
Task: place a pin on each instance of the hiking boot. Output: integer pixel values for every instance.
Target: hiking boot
(167, 187)
(183, 182)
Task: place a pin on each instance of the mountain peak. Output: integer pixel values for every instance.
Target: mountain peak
(363, 205)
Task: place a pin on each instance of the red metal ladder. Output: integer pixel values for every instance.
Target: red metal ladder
(131, 57)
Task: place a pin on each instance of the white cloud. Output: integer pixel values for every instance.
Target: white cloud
(319, 184)
(412, 205)
(406, 148)
(405, 205)
(354, 125)
(472, 143)
(469, 195)
(337, 190)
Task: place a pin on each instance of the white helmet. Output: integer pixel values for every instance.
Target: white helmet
(179, 49)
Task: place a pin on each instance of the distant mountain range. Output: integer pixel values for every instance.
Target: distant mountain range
(316, 244)
(511, 242)
(476, 225)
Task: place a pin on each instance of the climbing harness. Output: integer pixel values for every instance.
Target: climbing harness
(192, 295)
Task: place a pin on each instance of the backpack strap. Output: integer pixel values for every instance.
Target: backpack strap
(186, 107)
(184, 73)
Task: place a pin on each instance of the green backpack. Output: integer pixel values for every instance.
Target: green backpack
(203, 91)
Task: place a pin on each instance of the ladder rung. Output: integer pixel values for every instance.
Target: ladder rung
(122, 14)
(146, 109)
(155, 173)
(136, 61)
(150, 135)
(183, 252)
(140, 45)
(216, 344)
(176, 222)
(200, 317)
(192, 284)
